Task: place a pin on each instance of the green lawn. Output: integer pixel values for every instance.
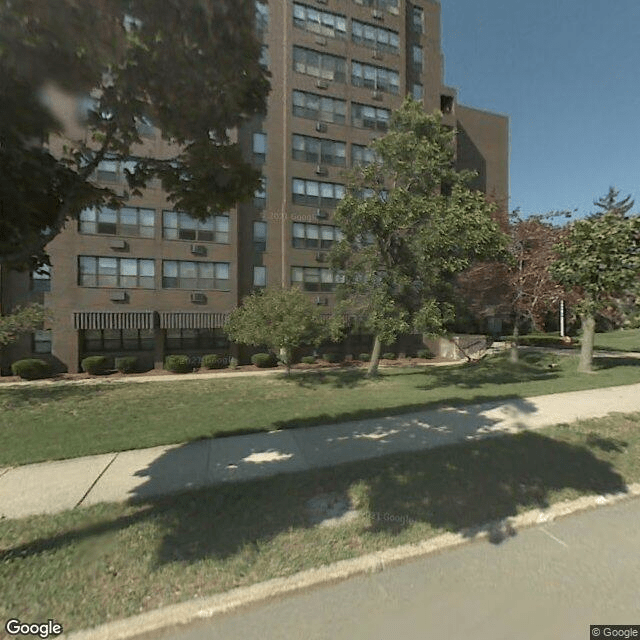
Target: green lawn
(88, 566)
(65, 421)
(624, 340)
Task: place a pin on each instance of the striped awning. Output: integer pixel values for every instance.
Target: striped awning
(113, 320)
(192, 320)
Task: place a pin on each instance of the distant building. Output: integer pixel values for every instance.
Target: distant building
(149, 281)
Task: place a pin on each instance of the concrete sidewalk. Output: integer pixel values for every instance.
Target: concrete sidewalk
(56, 486)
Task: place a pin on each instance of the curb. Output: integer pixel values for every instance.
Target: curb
(203, 608)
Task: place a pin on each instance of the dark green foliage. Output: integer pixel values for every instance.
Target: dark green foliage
(389, 355)
(95, 365)
(177, 364)
(364, 357)
(264, 360)
(213, 361)
(543, 340)
(126, 364)
(31, 369)
(425, 353)
(308, 360)
(332, 358)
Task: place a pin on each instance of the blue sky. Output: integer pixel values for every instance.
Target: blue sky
(567, 73)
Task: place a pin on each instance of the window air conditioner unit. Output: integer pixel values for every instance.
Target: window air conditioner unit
(119, 244)
(321, 1)
(198, 297)
(377, 56)
(322, 301)
(322, 84)
(321, 40)
(377, 95)
(321, 127)
(320, 257)
(118, 296)
(321, 171)
(199, 249)
(377, 14)
(321, 215)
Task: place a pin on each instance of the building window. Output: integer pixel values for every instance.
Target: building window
(319, 65)
(42, 341)
(182, 274)
(314, 236)
(265, 60)
(114, 171)
(362, 155)
(262, 17)
(315, 279)
(259, 147)
(323, 23)
(127, 221)
(416, 92)
(417, 19)
(315, 107)
(145, 127)
(367, 117)
(383, 5)
(260, 195)
(41, 279)
(377, 78)
(123, 273)
(416, 58)
(319, 151)
(375, 37)
(259, 236)
(259, 276)
(101, 340)
(317, 194)
(197, 339)
(177, 225)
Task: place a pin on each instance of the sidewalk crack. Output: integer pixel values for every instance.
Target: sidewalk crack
(93, 484)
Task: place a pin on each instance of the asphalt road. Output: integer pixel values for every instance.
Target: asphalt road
(546, 583)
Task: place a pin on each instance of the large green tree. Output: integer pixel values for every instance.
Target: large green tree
(20, 320)
(410, 224)
(279, 319)
(190, 67)
(598, 259)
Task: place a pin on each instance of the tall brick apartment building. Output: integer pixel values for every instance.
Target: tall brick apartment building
(148, 280)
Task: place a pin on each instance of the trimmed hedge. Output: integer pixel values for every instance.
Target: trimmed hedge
(364, 357)
(31, 369)
(264, 360)
(425, 353)
(389, 355)
(332, 358)
(213, 361)
(544, 340)
(95, 365)
(127, 364)
(308, 360)
(177, 364)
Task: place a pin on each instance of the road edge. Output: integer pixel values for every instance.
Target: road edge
(184, 613)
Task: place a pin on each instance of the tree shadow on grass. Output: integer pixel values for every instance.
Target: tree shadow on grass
(611, 362)
(19, 397)
(337, 379)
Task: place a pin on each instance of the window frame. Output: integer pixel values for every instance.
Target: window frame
(197, 282)
(114, 277)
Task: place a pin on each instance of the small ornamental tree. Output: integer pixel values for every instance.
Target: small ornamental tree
(599, 258)
(280, 319)
(22, 320)
(410, 224)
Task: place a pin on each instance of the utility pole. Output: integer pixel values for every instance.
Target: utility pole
(562, 318)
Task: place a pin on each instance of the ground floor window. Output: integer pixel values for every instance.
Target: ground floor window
(100, 340)
(42, 341)
(197, 339)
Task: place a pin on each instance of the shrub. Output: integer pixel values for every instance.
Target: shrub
(364, 357)
(425, 353)
(213, 361)
(31, 369)
(95, 365)
(233, 363)
(308, 360)
(126, 364)
(332, 358)
(544, 340)
(177, 364)
(389, 355)
(264, 360)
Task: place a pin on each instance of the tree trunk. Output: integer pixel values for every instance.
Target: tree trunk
(514, 344)
(586, 344)
(375, 358)
(285, 358)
